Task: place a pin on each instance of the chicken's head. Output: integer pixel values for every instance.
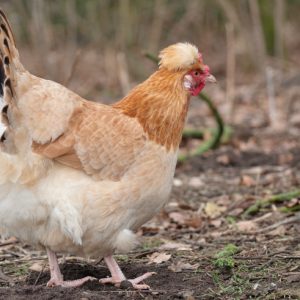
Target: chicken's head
(195, 80)
(186, 59)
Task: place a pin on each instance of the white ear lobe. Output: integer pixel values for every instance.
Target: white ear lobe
(188, 81)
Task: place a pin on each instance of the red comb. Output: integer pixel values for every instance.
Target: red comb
(200, 57)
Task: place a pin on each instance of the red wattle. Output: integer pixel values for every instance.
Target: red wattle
(196, 91)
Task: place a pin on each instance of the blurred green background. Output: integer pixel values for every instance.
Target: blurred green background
(97, 48)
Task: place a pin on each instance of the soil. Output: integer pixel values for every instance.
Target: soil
(206, 213)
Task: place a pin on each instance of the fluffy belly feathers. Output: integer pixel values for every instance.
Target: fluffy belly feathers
(69, 212)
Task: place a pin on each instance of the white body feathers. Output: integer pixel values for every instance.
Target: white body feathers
(68, 211)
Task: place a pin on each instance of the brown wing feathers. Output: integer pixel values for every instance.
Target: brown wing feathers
(96, 138)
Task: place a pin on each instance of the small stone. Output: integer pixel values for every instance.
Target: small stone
(255, 286)
(125, 285)
(196, 182)
(177, 182)
(273, 287)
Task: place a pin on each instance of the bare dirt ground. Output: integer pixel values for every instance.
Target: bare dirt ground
(223, 235)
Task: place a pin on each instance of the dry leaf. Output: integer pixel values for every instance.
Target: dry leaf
(158, 258)
(213, 210)
(5, 277)
(247, 181)
(236, 212)
(216, 223)
(223, 159)
(293, 278)
(190, 219)
(37, 267)
(285, 158)
(278, 231)
(194, 221)
(292, 202)
(223, 200)
(179, 266)
(149, 230)
(177, 217)
(246, 226)
(170, 245)
(9, 241)
(216, 234)
(260, 237)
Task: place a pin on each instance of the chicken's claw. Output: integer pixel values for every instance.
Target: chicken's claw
(69, 283)
(134, 283)
(127, 284)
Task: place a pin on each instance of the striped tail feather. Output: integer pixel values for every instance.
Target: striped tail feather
(10, 65)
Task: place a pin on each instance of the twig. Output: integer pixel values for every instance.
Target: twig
(159, 14)
(5, 277)
(258, 34)
(230, 69)
(240, 21)
(282, 222)
(9, 242)
(291, 273)
(40, 273)
(271, 97)
(123, 73)
(279, 13)
(251, 257)
(73, 67)
(288, 257)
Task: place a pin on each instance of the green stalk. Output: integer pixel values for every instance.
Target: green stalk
(263, 203)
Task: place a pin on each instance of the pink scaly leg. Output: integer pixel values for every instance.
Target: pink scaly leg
(56, 276)
(117, 275)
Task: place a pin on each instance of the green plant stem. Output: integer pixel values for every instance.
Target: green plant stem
(193, 133)
(263, 203)
(214, 142)
(152, 57)
(216, 139)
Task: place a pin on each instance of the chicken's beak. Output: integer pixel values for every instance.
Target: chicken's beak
(211, 78)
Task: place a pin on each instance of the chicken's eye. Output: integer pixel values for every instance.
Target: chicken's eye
(197, 73)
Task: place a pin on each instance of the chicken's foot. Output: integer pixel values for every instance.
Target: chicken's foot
(56, 276)
(117, 276)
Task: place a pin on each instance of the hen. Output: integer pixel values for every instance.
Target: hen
(80, 177)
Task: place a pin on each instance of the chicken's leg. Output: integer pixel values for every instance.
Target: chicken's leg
(117, 275)
(56, 276)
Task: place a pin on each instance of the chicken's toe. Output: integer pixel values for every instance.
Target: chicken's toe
(69, 283)
(142, 277)
(128, 284)
(134, 283)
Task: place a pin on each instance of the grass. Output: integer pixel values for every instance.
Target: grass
(151, 243)
(18, 270)
(224, 259)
